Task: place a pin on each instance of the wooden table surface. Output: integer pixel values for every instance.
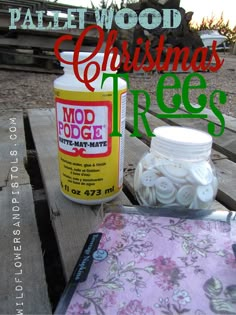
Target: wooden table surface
(73, 222)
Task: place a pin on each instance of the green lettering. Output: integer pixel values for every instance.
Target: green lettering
(160, 93)
(115, 111)
(202, 99)
(142, 114)
(217, 112)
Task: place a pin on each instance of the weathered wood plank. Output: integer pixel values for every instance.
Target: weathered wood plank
(43, 42)
(154, 123)
(12, 139)
(21, 254)
(226, 172)
(230, 122)
(72, 222)
(35, 296)
(30, 69)
(226, 143)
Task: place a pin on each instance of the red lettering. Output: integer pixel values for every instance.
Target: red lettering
(177, 52)
(111, 50)
(79, 116)
(68, 114)
(97, 131)
(86, 135)
(57, 48)
(125, 57)
(135, 64)
(67, 130)
(89, 116)
(87, 79)
(202, 64)
(75, 131)
(60, 125)
(84, 132)
(149, 57)
(159, 50)
(174, 54)
(214, 55)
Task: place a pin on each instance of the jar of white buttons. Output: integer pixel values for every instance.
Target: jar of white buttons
(178, 170)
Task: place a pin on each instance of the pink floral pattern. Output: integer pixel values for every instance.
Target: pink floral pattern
(230, 260)
(181, 297)
(114, 222)
(135, 307)
(158, 265)
(163, 264)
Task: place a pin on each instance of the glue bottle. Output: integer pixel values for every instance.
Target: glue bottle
(90, 160)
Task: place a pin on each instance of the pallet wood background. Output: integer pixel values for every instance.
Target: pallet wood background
(32, 50)
(33, 279)
(82, 218)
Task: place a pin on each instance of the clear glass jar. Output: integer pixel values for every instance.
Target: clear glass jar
(177, 170)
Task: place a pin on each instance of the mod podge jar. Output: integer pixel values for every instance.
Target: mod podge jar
(90, 160)
(177, 171)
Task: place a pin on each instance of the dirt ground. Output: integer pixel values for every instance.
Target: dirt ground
(23, 90)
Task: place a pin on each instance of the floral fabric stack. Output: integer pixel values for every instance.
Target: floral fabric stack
(148, 265)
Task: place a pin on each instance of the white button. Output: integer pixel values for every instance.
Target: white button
(164, 200)
(194, 203)
(164, 187)
(197, 204)
(201, 173)
(177, 180)
(185, 195)
(175, 170)
(142, 201)
(171, 205)
(205, 193)
(204, 205)
(148, 178)
(147, 191)
(141, 196)
(148, 196)
(137, 174)
(190, 179)
(214, 184)
(148, 161)
(152, 197)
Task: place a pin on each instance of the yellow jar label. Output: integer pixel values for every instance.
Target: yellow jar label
(90, 161)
